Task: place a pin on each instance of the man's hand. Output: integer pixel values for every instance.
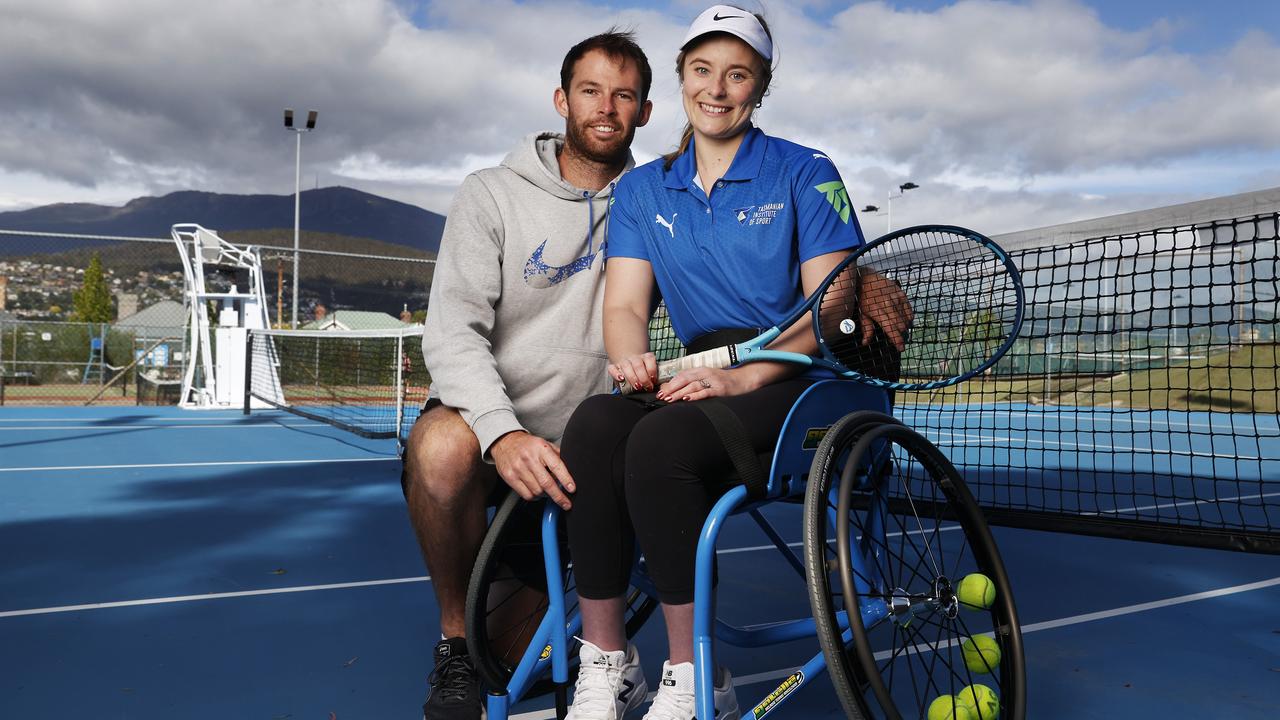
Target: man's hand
(532, 467)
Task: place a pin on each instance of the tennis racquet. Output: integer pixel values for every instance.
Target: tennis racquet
(920, 308)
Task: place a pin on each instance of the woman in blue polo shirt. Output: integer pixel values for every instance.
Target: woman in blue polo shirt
(732, 230)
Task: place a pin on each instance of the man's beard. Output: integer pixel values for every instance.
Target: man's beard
(579, 143)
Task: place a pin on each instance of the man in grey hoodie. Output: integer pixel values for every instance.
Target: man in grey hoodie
(513, 333)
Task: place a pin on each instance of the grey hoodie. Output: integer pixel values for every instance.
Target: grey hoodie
(513, 334)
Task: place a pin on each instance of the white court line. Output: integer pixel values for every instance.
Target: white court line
(216, 463)
(209, 596)
(277, 591)
(1154, 605)
(393, 581)
(774, 675)
(117, 417)
(1028, 442)
(126, 426)
(1166, 506)
(1089, 419)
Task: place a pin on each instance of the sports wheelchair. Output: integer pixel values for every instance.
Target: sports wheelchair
(889, 531)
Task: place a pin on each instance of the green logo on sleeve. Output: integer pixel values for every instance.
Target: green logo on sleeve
(839, 199)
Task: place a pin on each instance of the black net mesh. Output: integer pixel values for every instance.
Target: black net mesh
(1140, 399)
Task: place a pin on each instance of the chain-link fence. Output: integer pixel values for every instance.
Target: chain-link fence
(46, 362)
(48, 357)
(40, 272)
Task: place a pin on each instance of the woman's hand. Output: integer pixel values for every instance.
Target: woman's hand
(639, 372)
(703, 383)
(885, 306)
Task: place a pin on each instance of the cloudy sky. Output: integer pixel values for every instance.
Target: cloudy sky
(1009, 114)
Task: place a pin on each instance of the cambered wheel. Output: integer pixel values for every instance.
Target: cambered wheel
(890, 530)
(507, 596)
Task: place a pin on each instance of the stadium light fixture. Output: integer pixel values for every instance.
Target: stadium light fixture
(297, 197)
(888, 205)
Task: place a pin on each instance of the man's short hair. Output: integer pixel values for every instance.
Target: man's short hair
(618, 45)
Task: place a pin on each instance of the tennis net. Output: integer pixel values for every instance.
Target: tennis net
(371, 383)
(1140, 399)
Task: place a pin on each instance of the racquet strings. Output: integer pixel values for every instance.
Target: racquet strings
(962, 303)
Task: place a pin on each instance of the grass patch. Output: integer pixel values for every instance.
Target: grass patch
(1244, 378)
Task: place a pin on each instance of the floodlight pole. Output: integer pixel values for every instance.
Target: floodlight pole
(297, 199)
(888, 205)
(888, 213)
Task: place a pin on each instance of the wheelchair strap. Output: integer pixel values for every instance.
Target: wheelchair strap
(733, 434)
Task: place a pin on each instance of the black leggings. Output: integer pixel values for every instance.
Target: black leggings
(652, 476)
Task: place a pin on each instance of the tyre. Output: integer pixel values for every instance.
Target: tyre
(890, 529)
(507, 596)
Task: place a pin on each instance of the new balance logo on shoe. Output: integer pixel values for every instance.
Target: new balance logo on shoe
(627, 687)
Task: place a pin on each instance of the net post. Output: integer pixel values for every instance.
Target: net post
(248, 371)
(400, 391)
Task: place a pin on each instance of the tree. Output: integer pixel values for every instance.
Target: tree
(92, 302)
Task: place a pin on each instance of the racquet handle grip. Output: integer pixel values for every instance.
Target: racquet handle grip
(714, 358)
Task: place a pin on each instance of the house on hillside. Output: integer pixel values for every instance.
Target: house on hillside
(166, 318)
(354, 320)
(159, 338)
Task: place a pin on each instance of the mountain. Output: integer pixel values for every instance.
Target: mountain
(334, 210)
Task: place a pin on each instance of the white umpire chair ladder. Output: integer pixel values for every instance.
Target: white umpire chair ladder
(214, 376)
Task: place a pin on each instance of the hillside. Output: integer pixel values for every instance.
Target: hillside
(331, 210)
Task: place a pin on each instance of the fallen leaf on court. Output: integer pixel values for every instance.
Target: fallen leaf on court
(279, 571)
(351, 662)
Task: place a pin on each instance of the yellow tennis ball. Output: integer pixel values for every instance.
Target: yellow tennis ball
(948, 707)
(981, 654)
(981, 702)
(976, 591)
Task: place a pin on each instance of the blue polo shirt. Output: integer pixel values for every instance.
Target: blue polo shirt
(733, 260)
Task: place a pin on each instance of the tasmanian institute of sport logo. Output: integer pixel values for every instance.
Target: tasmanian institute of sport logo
(758, 214)
(839, 199)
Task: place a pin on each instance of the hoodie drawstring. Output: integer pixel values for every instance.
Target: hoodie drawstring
(591, 217)
(608, 209)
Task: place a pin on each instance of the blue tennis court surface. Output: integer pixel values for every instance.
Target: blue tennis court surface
(166, 564)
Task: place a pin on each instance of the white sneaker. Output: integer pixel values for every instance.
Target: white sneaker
(674, 700)
(610, 684)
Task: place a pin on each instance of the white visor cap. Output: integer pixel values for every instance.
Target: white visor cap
(739, 23)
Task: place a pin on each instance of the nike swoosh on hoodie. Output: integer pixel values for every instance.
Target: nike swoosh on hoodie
(538, 274)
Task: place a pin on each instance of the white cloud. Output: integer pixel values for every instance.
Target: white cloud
(1007, 114)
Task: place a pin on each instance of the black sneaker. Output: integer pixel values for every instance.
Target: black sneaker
(455, 691)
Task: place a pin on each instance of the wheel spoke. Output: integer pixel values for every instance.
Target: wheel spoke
(917, 536)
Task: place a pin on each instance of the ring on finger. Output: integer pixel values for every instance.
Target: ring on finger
(706, 384)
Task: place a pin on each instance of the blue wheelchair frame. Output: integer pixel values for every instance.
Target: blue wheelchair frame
(821, 405)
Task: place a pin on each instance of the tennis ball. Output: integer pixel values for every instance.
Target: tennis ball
(981, 654)
(948, 707)
(976, 591)
(981, 702)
